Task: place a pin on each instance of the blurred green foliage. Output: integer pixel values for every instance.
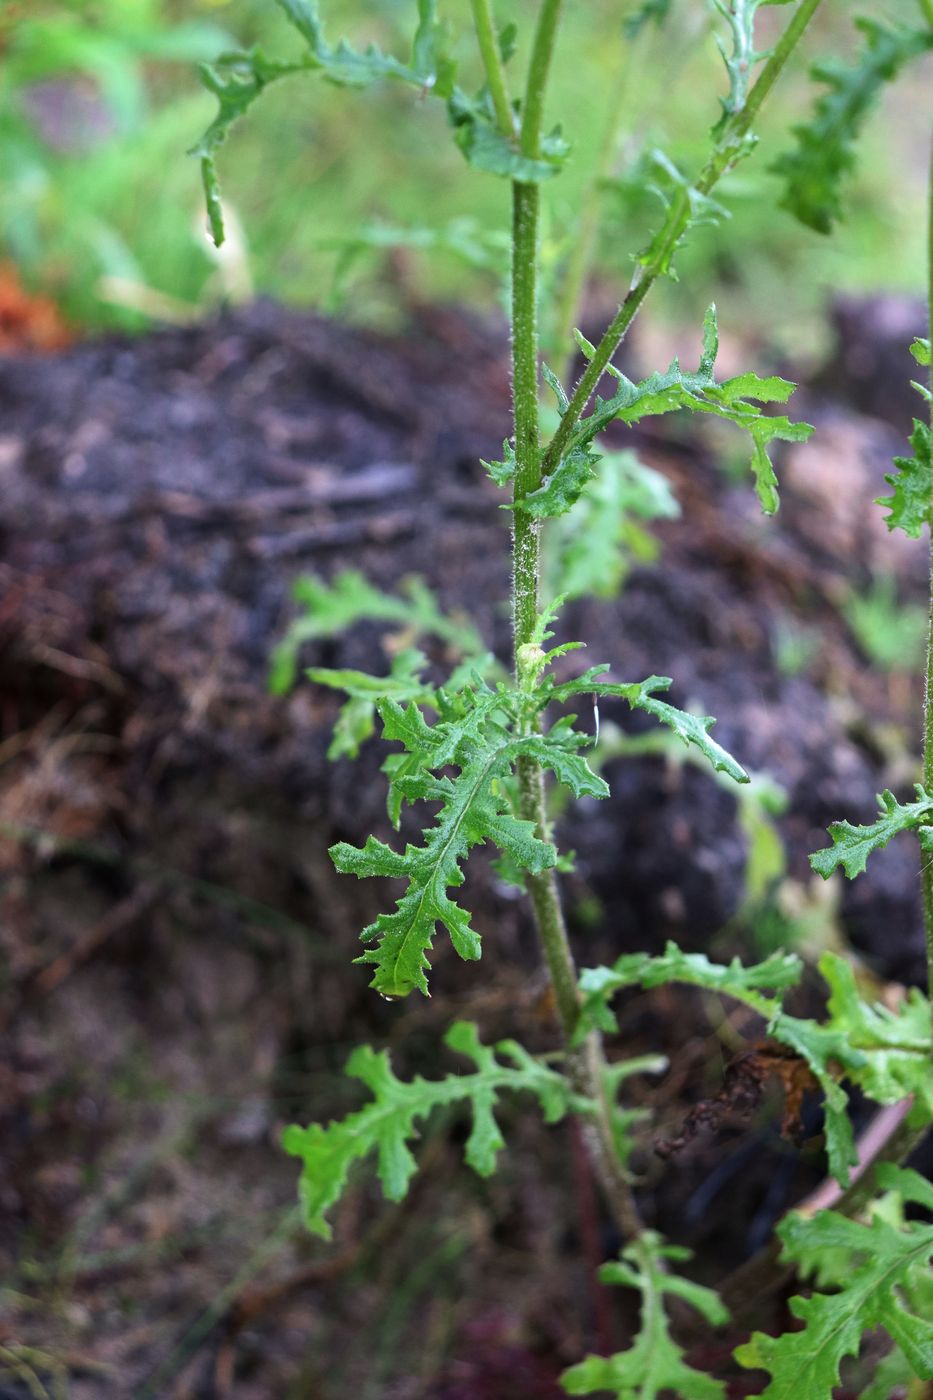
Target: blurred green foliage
(99, 100)
(891, 633)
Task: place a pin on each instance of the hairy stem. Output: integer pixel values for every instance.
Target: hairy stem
(492, 63)
(675, 225)
(928, 696)
(526, 538)
(542, 52)
(585, 1063)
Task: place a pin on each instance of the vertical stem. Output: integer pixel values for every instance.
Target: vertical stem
(526, 529)
(585, 1063)
(492, 63)
(526, 570)
(927, 866)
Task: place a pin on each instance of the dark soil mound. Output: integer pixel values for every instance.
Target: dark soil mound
(178, 978)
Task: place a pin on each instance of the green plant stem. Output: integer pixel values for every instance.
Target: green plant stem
(492, 63)
(927, 7)
(585, 1063)
(927, 863)
(542, 51)
(728, 147)
(526, 537)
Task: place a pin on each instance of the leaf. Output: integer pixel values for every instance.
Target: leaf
(502, 472)
(563, 487)
(356, 720)
(852, 845)
(654, 1364)
(387, 1124)
(654, 12)
(554, 384)
(911, 501)
(592, 554)
(736, 399)
(874, 1292)
(692, 729)
(474, 809)
(599, 984)
(741, 61)
(237, 79)
(508, 40)
(920, 349)
(569, 768)
(349, 67)
(332, 608)
(657, 173)
(825, 153)
(486, 148)
(827, 1049)
(464, 238)
(895, 1046)
(824, 1048)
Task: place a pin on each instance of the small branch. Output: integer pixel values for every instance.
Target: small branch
(538, 70)
(927, 862)
(674, 227)
(492, 63)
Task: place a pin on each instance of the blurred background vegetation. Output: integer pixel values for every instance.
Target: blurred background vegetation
(99, 206)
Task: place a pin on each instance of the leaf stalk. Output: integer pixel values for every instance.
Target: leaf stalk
(492, 63)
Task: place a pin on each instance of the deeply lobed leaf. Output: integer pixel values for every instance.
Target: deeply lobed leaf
(387, 1124)
(895, 1046)
(692, 729)
(738, 400)
(483, 737)
(911, 500)
(654, 1364)
(487, 148)
(886, 1053)
(472, 811)
(238, 79)
(825, 151)
(873, 1292)
(852, 845)
(657, 173)
(743, 57)
(747, 984)
(330, 608)
(592, 554)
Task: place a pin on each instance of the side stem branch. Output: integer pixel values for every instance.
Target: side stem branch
(727, 149)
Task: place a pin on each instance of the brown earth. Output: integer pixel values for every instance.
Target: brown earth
(177, 979)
